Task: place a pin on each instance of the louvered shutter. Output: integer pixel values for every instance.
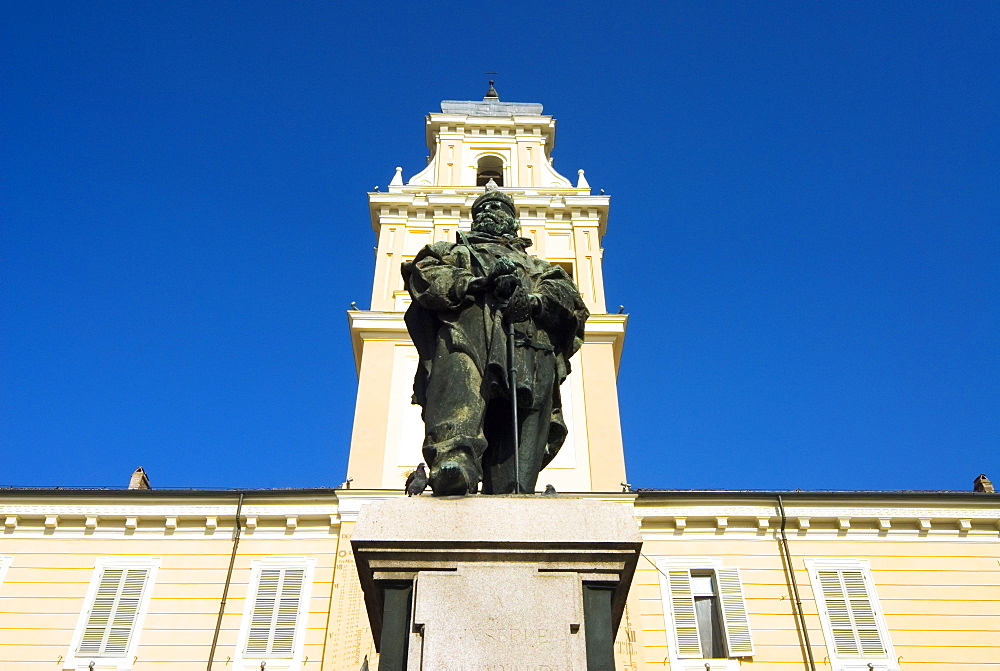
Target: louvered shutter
(275, 612)
(287, 612)
(113, 613)
(734, 612)
(687, 644)
(263, 612)
(851, 613)
(863, 613)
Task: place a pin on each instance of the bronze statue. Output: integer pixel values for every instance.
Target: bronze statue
(485, 312)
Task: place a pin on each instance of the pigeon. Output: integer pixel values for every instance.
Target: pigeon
(550, 491)
(354, 305)
(416, 482)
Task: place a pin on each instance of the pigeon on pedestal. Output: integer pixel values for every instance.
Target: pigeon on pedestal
(416, 482)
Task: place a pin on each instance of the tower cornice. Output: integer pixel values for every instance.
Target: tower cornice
(374, 325)
(553, 204)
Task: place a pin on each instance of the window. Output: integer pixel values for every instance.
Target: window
(274, 615)
(107, 633)
(849, 610)
(705, 613)
(489, 167)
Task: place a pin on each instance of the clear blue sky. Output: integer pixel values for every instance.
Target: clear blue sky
(804, 228)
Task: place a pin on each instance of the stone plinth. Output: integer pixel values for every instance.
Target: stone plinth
(495, 582)
(509, 613)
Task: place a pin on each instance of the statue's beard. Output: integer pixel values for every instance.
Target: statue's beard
(496, 223)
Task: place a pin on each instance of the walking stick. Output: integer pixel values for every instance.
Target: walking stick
(512, 382)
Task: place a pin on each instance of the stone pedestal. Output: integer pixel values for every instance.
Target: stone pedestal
(495, 583)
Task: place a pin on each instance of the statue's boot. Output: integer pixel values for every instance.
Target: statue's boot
(455, 474)
(453, 477)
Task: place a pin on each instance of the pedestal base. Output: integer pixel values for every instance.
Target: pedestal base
(497, 583)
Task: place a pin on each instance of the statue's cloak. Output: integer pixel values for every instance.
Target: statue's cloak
(443, 312)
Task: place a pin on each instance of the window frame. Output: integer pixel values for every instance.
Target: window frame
(243, 661)
(838, 661)
(102, 564)
(703, 566)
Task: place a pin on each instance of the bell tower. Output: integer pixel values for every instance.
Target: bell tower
(471, 142)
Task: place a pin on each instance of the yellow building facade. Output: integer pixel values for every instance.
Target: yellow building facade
(896, 580)
(140, 579)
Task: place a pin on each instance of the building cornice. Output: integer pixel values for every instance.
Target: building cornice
(859, 515)
(820, 495)
(143, 494)
(302, 513)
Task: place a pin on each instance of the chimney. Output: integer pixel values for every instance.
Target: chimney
(139, 480)
(982, 484)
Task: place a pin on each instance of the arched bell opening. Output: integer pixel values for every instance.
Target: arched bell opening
(489, 167)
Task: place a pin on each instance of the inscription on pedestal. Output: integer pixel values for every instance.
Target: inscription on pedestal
(498, 617)
(481, 635)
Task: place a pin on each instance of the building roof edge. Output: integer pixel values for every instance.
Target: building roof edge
(814, 493)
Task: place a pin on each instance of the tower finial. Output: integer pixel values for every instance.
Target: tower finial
(492, 93)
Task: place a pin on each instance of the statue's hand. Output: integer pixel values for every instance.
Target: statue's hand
(505, 286)
(503, 266)
(519, 306)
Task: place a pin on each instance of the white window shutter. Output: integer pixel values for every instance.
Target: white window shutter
(686, 640)
(734, 612)
(112, 616)
(275, 612)
(129, 598)
(851, 613)
(287, 612)
(258, 640)
(838, 613)
(863, 613)
(100, 612)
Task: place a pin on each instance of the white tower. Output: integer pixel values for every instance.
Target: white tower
(471, 142)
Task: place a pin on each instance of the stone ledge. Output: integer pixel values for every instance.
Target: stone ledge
(496, 519)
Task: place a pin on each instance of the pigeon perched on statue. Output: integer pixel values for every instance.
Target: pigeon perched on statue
(416, 482)
(550, 491)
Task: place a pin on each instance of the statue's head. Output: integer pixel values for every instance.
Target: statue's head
(494, 213)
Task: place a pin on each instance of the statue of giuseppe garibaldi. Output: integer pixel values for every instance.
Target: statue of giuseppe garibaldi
(479, 305)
